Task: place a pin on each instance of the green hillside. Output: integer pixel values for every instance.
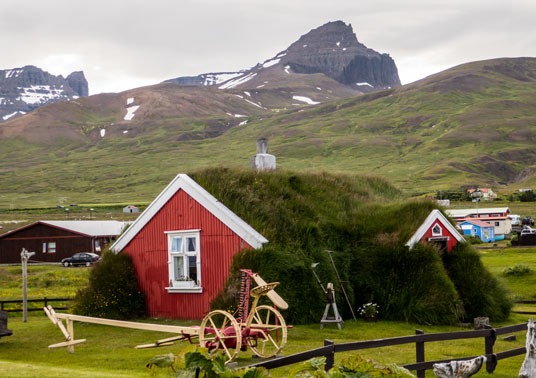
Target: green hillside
(472, 124)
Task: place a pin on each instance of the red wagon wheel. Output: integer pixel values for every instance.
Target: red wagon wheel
(268, 331)
(220, 330)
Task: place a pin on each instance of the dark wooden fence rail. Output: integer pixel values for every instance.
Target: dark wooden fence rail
(329, 349)
(44, 300)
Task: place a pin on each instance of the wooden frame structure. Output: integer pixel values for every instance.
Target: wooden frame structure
(264, 330)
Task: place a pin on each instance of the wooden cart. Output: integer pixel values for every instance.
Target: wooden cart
(263, 328)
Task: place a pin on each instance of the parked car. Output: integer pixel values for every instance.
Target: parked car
(82, 258)
(527, 221)
(528, 230)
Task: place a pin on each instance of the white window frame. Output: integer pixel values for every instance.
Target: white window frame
(434, 233)
(51, 247)
(187, 286)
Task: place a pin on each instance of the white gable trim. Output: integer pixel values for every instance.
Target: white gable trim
(432, 217)
(207, 200)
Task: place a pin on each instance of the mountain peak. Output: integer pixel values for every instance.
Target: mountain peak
(331, 49)
(27, 88)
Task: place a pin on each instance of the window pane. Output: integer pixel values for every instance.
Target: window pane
(178, 268)
(44, 247)
(176, 245)
(192, 268)
(52, 247)
(191, 244)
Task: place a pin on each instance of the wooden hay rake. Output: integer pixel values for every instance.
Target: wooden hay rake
(263, 328)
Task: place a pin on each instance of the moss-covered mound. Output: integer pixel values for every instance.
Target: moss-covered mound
(364, 221)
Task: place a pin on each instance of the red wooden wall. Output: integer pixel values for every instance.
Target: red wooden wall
(149, 253)
(444, 233)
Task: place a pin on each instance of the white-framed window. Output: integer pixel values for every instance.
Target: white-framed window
(184, 260)
(49, 247)
(436, 230)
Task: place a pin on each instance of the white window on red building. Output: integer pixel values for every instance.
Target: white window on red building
(184, 259)
(436, 230)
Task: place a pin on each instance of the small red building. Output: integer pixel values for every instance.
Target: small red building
(436, 229)
(182, 247)
(54, 240)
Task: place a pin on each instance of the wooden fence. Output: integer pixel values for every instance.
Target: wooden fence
(421, 365)
(46, 301)
(525, 312)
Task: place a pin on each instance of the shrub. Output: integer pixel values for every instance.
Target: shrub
(517, 270)
(480, 293)
(472, 239)
(112, 291)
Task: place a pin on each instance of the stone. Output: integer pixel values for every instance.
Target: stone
(481, 323)
(459, 369)
(528, 368)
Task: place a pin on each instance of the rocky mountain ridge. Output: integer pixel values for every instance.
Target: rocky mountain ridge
(27, 88)
(331, 49)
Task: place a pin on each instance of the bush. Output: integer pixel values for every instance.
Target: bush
(528, 196)
(517, 270)
(112, 291)
(480, 293)
(472, 239)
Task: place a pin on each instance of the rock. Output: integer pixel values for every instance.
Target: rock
(459, 369)
(78, 83)
(510, 338)
(528, 368)
(333, 49)
(27, 88)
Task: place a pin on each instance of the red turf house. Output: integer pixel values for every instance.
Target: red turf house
(182, 246)
(436, 229)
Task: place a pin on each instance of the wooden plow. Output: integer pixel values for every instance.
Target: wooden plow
(263, 328)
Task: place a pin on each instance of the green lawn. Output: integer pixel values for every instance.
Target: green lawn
(109, 351)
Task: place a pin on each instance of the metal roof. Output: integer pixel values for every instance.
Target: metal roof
(90, 228)
(463, 213)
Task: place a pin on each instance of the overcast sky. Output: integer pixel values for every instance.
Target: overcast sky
(123, 44)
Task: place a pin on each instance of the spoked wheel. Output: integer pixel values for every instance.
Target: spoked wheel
(220, 330)
(268, 332)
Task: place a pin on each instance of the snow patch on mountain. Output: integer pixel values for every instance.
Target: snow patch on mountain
(307, 100)
(238, 81)
(130, 112)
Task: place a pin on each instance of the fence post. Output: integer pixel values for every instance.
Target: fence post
(45, 301)
(330, 358)
(419, 348)
(489, 341)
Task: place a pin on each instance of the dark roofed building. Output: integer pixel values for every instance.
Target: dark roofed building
(54, 240)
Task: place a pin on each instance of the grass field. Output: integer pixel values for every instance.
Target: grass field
(109, 351)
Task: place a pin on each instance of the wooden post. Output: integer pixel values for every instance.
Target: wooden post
(70, 330)
(24, 256)
(419, 348)
(330, 358)
(489, 342)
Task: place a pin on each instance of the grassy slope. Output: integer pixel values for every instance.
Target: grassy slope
(471, 124)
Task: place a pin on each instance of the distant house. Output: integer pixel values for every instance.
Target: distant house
(54, 240)
(130, 209)
(486, 194)
(496, 216)
(436, 229)
(484, 230)
(182, 246)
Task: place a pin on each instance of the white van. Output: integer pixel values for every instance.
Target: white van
(515, 219)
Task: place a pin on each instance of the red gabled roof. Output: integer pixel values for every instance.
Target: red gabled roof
(477, 223)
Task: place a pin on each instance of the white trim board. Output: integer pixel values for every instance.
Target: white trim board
(432, 217)
(207, 200)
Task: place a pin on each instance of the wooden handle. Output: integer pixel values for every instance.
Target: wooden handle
(274, 297)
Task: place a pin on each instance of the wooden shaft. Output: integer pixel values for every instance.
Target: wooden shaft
(70, 330)
(134, 325)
